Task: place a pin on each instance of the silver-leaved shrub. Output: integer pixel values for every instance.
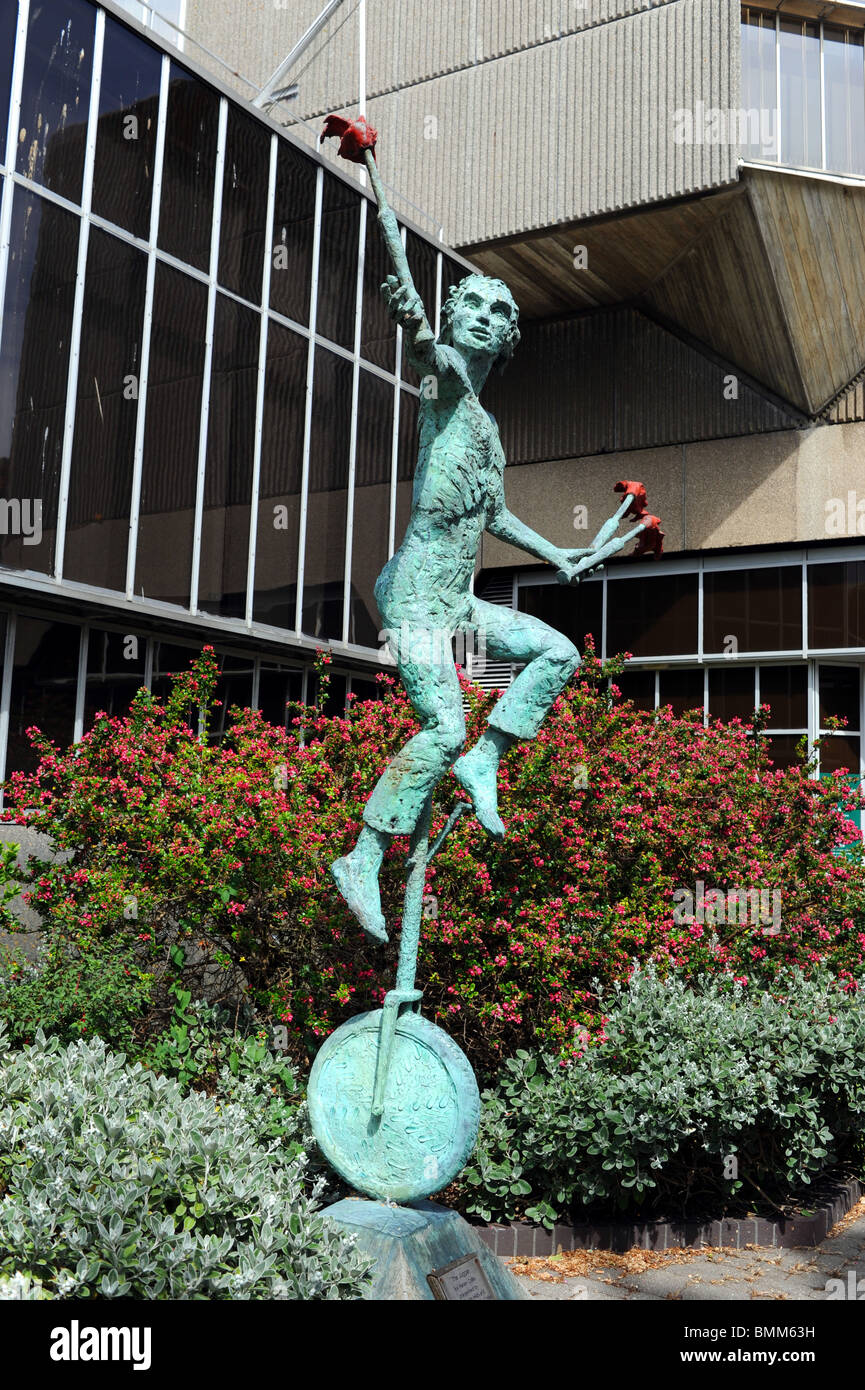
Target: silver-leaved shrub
(699, 1091)
(115, 1182)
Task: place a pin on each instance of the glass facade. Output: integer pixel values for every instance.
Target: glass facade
(199, 385)
(803, 92)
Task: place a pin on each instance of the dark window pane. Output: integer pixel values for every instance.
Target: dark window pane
(637, 686)
(230, 447)
(8, 26)
(782, 750)
(422, 257)
(291, 239)
(337, 271)
(407, 444)
(186, 211)
(371, 524)
(334, 703)
(757, 610)
(839, 694)
(844, 77)
(377, 330)
(115, 672)
(34, 364)
(656, 616)
(170, 463)
(97, 523)
(731, 693)
(44, 681)
(785, 690)
(324, 567)
(681, 690)
(244, 205)
(56, 96)
(234, 687)
(279, 687)
(836, 605)
(452, 274)
(575, 611)
(170, 659)
(362, 690)
(278, 520)
(839, 751)
(126, 133)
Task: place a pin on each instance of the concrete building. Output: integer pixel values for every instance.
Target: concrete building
(675, 193)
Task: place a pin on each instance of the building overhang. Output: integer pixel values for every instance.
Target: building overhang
(766, 273)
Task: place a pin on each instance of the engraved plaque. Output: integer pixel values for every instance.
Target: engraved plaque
(463, 1279)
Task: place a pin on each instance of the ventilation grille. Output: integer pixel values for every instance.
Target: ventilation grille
(488, 674)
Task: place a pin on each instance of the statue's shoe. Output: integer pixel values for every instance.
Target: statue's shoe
(481, 788)
(361, 894)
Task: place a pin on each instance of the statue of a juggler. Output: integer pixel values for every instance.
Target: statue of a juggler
(393, 1100)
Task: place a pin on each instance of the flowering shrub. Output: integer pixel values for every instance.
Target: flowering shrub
(220, 855)
(697, 1094)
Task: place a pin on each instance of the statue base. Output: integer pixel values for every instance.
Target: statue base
(424, 1251)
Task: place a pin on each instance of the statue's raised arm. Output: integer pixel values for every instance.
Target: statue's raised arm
(357, 144)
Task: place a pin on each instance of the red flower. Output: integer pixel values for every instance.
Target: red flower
(652, 539)
(638, 492)
(354, 136)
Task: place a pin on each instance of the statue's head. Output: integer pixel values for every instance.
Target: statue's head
(480, 315)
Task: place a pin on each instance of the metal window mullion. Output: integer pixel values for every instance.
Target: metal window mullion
(813, 707)
(78, 306)
(81, 684)
(150, 643)
(822, 101)
(260, 383)
(256, 683)
(6, 695)
(705, 697)
(11, 149)
(394, 439)
(208, 354)
(352, 444)
(439, 278)
(700, 610)
(149, 290)
(604, 602)
(657, 689)
(307, 416)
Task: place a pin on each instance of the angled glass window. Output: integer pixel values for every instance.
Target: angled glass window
(324, 567)
(109, 366)
(839, 694)
(34, 366)
(278, 521)
(337, 270)
(280, 689)
(422, 259)
(126, 129)
(377, 330)
(230, 449)
(8, 27)
(186, 208)
(170, 462)
(371, 504)
(44, 682)
(115, 673)
(292, 234)
(836, 605)
(757, 610)
(759, 85)
(244, 205)
(55, 98)
(655, 616)
(233, 688)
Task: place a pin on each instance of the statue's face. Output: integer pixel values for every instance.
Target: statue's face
(482, 319)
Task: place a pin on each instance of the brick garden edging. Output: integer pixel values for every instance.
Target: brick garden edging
(523, 1238)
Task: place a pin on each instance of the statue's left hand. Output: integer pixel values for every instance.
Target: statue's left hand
(569, 561)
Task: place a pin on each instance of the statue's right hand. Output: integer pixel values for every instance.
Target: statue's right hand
(403, 302)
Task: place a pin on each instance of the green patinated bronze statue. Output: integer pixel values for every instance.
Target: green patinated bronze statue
(368, 1071)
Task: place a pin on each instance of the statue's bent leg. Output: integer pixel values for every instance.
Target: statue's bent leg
(550, 661)
(434, 690)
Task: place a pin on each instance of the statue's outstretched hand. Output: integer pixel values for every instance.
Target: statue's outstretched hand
(574, 563)
(403, 302)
